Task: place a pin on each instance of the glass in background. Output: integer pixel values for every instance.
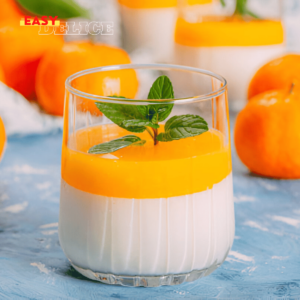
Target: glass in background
(231, 40)
(150, 24)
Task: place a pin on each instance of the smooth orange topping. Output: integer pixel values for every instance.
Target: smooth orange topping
(148, 3)
(267, 136)
(195, 2)
(158, 3)
(176, 168)
(2, 138)
(229, 32)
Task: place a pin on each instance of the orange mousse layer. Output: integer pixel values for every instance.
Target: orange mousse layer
(229, 32)
(170, 169)
(2, 138)
(158, 3)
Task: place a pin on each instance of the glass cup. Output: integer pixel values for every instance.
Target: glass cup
(150, 24)
(231, 40)
(153, 213)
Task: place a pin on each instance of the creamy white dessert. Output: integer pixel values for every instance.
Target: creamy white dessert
(150, 210)
(233, 49)
(237, 64)
(147, 236)
(151, 28)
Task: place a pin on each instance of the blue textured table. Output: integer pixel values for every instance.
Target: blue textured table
(264, 261)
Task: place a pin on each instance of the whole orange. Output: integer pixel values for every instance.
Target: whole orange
(58, 64)
(21, 48)
(2, 76)
(267, 135)
(2, 138)
(10, 10)
(277, 74)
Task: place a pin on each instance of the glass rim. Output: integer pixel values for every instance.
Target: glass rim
(107, 99)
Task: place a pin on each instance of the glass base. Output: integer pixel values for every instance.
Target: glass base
(146, 281)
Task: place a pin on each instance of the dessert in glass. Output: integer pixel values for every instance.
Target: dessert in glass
(150, 24)
(146, 191)
(234, 40)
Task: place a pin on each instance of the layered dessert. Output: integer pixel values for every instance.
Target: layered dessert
(229, 46)
(151, 210)
(150, 24)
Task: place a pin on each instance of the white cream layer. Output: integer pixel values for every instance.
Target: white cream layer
(148, 236)
(237, 64)
(151, 28)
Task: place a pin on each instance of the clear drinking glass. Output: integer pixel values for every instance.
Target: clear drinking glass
(150, 214)
(150, 24)
(233, 40)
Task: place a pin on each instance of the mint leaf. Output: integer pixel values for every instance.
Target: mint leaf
(241, 9)
(117, 144)
(251, 14)
(180, 127)
(223, 3)
(159, 112)
(118, 113)
(65, 9)
(162, 88)
(138, 123)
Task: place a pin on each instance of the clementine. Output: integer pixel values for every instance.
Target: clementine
(10, 10)
(2, 77)
(277, 74)
(21, 49)
(267, 136)
(58, 64)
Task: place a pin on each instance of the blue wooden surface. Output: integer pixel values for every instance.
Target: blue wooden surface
(264, 262)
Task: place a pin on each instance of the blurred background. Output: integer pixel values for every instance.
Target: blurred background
(231, 37)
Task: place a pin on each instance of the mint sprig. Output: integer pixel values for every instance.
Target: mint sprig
(241, 8)
(140, 118)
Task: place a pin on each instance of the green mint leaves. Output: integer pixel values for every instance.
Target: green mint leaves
(117, 144)
(139, 124)
(119, 113)
(180, 127)
(241, 8)
(140, 118)
(162, 88)
(65, 9)
(223, 3)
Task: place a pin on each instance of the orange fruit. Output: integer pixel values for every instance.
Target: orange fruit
(277, 74)
(21, 48)
(267, 135)
(2, 138)
(10, 10)
(2, 76)
(58, 64)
